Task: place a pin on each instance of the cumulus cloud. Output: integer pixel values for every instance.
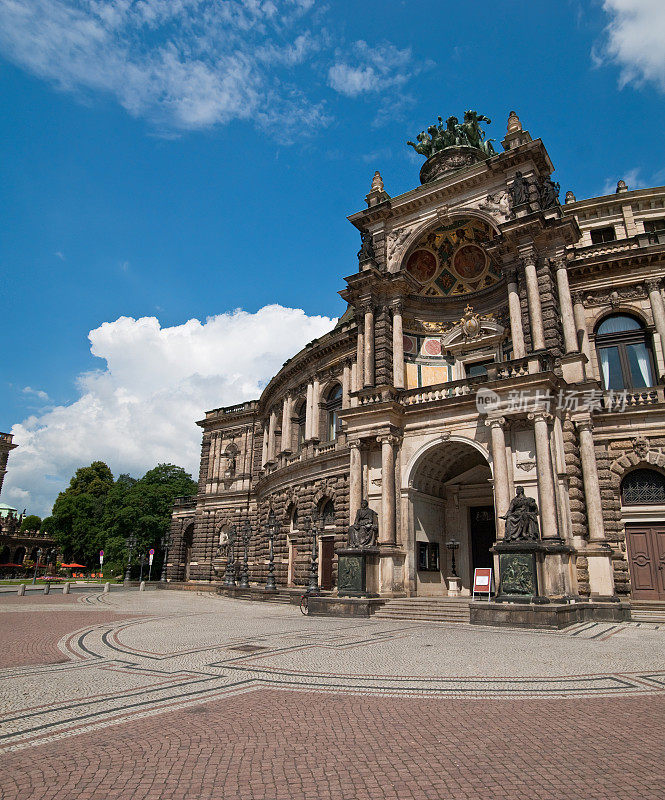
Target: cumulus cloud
(39, 393)
(635, 40)
(141, 407)
(370, 69)
(184, 64)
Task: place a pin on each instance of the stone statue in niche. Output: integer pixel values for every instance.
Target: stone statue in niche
(522, 518)
(365, 529)
(519, 191)
(366, 252)
(549, 193)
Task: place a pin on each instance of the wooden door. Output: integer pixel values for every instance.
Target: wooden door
(327, 554)
(646, 558)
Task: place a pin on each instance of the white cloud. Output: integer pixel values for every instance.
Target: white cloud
(635, 38)
(141, 408)
(39, 393)
(183, 64)
(632, 177)
(370, 69)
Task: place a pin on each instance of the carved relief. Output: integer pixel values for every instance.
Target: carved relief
(395, 245)
(616, 296)
(498, 205)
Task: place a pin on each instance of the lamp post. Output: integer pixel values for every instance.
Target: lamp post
(453, 545)
(313, 587)
(229, 572)
(271, 530)
(131, 544)
(34, 577)
(246, 536)
(141, 562)
(166, 541)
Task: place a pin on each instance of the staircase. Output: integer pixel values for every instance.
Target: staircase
(426, 609)
(647, 611)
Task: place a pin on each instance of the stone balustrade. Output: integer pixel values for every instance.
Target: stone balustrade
(619, 401)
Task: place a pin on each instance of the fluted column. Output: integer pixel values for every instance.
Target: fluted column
(398, 347)
(546, 492)
(355, 479)
(346, 384)
(271, 435)
(264, 451)
(368, 368)
(360, 360)
(308, 413)
(316, 399)
(515, 311)
(387, 533)
(500, 470)
(566, 307)
(581, 329)
(535, 308)
(287, 413)
(657, 308)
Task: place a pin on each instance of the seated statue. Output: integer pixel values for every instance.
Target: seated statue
(521, 518)
(364, 530)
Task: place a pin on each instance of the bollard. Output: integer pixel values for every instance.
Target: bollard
(142, 586)
(107, 587)
(21, 590)
(47, 588)
(65, 588)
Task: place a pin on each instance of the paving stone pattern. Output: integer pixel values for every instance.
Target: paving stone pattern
(178, 695)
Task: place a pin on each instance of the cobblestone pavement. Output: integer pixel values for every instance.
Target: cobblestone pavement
(178, 695)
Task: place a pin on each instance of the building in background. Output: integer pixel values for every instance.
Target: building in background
(494, 339)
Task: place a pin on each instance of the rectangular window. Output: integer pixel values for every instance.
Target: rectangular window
(602, 235)
(428, 556)
(640, 366)
(422, 556)
(434, 556)
(479, 368)
(655, 229)
(610, 365)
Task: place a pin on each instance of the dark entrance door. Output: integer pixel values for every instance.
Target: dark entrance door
(327, 554)
(646, 557)
(482, 536)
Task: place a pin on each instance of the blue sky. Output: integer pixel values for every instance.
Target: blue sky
(180, 160)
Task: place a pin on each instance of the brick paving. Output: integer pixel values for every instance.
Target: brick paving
(277, 745)
(173, 695)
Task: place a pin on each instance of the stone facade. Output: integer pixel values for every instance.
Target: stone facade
(6, 446)
(461, 295)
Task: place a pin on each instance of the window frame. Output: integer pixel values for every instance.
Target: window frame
(332, 407)
(621, 341)
(600, 232)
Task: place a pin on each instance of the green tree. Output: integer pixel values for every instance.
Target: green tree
(31, 523)
(78, 513)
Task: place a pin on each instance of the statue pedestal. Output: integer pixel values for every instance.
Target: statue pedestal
(358, 571)
(454, 586)
(518, 572)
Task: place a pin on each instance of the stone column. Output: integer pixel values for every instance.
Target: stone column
(264, 451)
(368, 368)
(657, 308)
(581, 330)
(535, 309)
(308, 413)
(316, 414)
(500, 470)
(398, 347)
(287, 412)
(566, 307)
(271, 435)
(346, 384)
(360, 359)
(515, 310)
(387, 532)
(599, 553)
(355, 479)
(546, 493)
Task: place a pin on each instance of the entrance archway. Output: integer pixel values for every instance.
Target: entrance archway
(643, 503)
(450, 494)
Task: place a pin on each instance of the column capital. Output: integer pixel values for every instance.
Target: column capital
(528, 260)
(355, 444)
(652, 284)
(540, 415)
(397, 306)
(495, 422)
(559, 262)
(584, 424)
(366, 305)
(388, 438)
(578, 298)
(511, 274)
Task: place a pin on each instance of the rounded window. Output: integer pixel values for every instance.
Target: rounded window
(624, 353)
(643, 487)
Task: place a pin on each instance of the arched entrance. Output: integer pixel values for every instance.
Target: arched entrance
(643, 502)
(450, 495)
(187, 543)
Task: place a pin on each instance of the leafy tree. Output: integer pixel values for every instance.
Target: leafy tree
(31, 523)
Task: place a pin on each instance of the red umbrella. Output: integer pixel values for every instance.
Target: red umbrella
(74, 566)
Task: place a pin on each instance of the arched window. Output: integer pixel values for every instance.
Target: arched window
(301, 422)
(643, 487)
(333, 407)
(294, 520)
(624, 353)
(328, 513)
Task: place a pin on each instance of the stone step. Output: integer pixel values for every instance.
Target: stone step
(425, 609)
(421, 617)
(647, 616)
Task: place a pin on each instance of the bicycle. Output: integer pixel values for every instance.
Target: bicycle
(304, 604)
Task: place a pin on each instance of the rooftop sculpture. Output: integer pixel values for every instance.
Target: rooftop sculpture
(454, 134)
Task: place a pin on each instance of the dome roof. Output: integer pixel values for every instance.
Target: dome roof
(5, 509)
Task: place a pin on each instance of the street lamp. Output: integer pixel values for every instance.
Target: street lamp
(246, 536)
(453, 545)
(166, 541)
(131, 544)
(229, 572)
(142, 560)
(34, 577)
(313, 587)
(271, 530)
